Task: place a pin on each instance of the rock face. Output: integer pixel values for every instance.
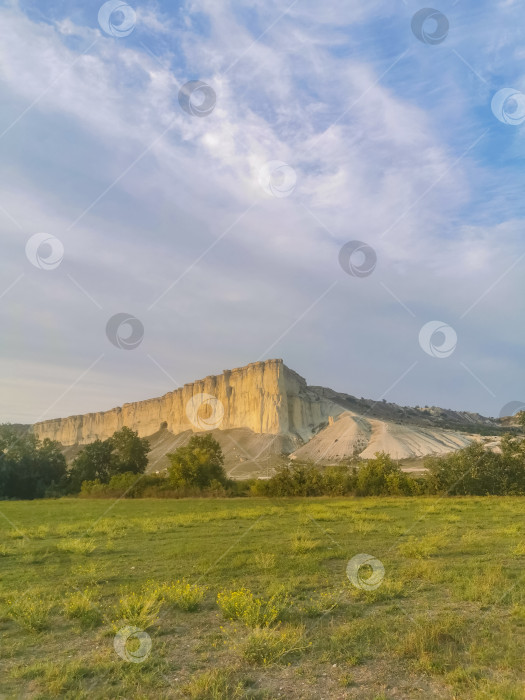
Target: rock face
(265, 409)
(265, 397)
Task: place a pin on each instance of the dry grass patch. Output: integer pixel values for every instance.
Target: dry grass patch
(435, 643)
(425, 546)
(265, 647)
(74, 546)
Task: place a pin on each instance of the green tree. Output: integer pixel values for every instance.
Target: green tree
(51, 462)
(29, 467)
(123, 452)
(197, 464)
(382, 476)
(295, 479)
(95, 461)
(478, 471)
(130, 451)
(512, 473)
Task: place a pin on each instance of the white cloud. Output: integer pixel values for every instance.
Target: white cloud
(365, 157)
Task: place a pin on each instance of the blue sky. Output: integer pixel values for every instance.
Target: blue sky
(161, 214)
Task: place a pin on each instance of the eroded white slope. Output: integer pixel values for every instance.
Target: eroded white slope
(351, 434)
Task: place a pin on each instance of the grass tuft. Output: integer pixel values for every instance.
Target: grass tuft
(302, 544)
(423, 547)
(254, 612)
(181, 594)
(265, 646)
(30, 612)
(82, 606)
(80, 546)
(216, 685)
(137, 610)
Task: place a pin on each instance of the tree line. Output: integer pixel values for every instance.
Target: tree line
(31, 468)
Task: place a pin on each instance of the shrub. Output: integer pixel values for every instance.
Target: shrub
(92, 489)
(181, 594)
(340, 480)
(296, 479)
(254, 612)
(316, 607)
(127, 485)
(382, 476)
(137, 610)
(185, 596)
(81, 606)
(478, 471)
(30, 612)
(217, 489)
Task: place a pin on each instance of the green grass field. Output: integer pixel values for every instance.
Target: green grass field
(446, 621)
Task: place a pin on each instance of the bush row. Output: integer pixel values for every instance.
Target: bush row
(116, 467)
(475, 470)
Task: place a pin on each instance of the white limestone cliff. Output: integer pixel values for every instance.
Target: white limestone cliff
(266, 397)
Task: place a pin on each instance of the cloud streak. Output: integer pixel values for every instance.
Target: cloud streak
(152, 204)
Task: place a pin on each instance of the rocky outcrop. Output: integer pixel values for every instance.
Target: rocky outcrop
(258, 412)
(265, 397)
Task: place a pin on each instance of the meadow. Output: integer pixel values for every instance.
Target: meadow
(252, 598)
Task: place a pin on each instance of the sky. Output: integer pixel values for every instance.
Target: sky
(191, 186)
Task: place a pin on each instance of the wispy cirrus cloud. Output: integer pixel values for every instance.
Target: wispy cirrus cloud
(365, 115)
